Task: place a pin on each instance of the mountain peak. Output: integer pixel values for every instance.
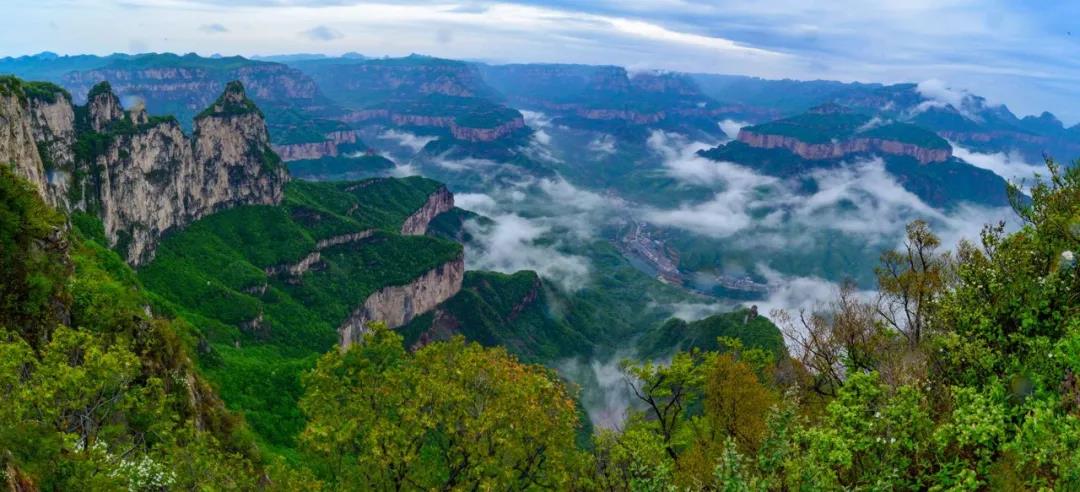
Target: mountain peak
(232, 101)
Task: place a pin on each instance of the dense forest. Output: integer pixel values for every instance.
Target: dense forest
(961, 374)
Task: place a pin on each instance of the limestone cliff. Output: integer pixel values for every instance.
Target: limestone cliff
(142, 176)
(399, 304)
(438, 202)
(330, 147)
(17, 145)
(841, 148)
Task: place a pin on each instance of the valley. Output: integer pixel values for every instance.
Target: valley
(313, 243)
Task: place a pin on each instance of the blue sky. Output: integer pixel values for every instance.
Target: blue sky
(1023, 54)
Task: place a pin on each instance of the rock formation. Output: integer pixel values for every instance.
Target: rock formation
(841, 148)
(142, 176)
(397, 305)
(441, 200)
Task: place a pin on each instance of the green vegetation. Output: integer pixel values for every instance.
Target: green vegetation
(340, 167)
(911, 134)
(260, 331)
(99, 394)
(231, 102)
(452, 415)
(750, 329)
(814, 127)
(517, 311)
(45, 91)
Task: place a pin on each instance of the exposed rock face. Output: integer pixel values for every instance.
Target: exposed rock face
(103, 107)
(315, 150)
(438, 202)
(397, 305)
(486, 134)
(17, 145)
(299, 268)
(837, 149)
(469, 134)
(232, 148)
(143, 176)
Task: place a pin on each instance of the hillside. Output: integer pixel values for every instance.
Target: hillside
(271, 288)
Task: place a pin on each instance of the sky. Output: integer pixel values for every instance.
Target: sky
(1022, 54)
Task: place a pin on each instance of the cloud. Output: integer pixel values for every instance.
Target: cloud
(214, 28)
(795, 293)
(480, 203)
(322, 33)
(512, 243)
(605, 394)
(604, 144)
(731, 127)
(1011, 166)
(463, 164)
(406, 139)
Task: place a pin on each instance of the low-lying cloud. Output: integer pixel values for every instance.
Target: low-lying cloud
(1011, 166)
(512, 243)
(406, 139)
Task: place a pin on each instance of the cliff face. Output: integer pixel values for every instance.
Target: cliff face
(316, 150)
(438, 202)
(397, 305)
(460, 132)
(142, 176)
(17, 145)
(837, 149)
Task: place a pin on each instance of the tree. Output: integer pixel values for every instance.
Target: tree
(909, 281)
(451, 416)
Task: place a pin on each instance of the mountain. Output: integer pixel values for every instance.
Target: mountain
(608, 98)
(827, 135)
(141, 175)
(446, 98)
(302, 122)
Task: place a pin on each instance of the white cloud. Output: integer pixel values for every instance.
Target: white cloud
(1011, 166)
(604, 144)
(514, 243)
(475, 202)
(464, 164)
(406, 139)
(731, 127)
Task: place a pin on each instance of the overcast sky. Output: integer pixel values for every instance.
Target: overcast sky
(1020, 53)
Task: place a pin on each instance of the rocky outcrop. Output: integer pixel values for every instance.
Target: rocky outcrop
(840, 148)
(397, 305)
(441, 200)
(316, 150)
(470, 134)
(17, 145)
(142, 176)
(621, 114)
(460, 132)
(297, 269)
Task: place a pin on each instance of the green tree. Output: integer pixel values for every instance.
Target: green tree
(452, 416)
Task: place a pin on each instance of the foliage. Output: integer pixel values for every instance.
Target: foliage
(259, 331)
(453, 416)
(99, 394)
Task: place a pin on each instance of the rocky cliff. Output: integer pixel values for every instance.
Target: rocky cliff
(330, 147)
(399, 304)
(142, 176)
(841, 148)
(438, 202)
(17, 144)
(457, 130)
